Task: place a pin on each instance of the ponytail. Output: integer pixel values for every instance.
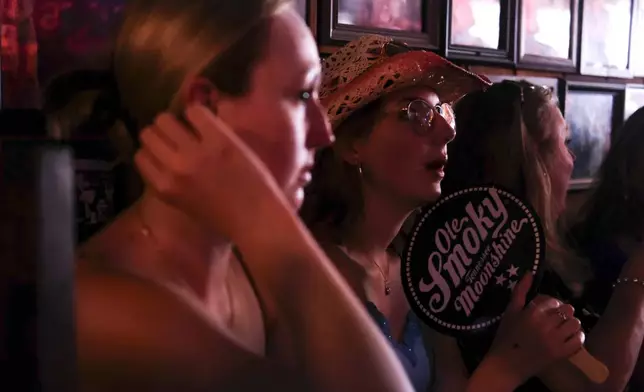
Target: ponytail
(86, 104)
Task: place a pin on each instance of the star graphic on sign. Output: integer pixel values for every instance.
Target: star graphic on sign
(500, 280)
(513, 271)
(511, 284)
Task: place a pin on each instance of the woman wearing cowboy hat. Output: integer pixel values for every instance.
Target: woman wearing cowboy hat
(390, 111)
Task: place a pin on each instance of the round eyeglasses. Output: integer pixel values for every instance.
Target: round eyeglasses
(422, 114)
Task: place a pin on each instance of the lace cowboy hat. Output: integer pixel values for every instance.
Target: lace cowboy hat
(372, 66)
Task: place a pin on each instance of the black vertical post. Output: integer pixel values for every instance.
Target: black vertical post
(37, 337)
(56, 348)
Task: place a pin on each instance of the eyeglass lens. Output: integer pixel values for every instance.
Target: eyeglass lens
(421, 112)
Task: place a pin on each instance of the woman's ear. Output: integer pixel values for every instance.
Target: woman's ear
(350, 152)
(200, 90)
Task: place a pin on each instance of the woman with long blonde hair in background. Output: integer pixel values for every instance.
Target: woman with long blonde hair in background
(513, 135)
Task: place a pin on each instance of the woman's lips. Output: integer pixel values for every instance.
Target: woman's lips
(304, 178)
(437, 166)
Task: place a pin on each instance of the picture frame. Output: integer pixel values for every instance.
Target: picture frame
(475, 39)
(341, 21)
(633, 99)
(539, 43)
(637, 39)
(94, 196)
(593, 112)
(606, 38)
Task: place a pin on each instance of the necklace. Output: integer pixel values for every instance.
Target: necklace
(146, 231)
(384, 276)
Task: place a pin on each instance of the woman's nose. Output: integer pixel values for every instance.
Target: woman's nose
(320, 132)
(443, 131)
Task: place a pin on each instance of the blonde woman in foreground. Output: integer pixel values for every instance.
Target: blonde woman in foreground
(164, 303)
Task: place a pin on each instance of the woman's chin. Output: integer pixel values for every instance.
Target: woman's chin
(297, 198)
(433, 193)
(424, 197)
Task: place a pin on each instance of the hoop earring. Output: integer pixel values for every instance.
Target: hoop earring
(360, 169)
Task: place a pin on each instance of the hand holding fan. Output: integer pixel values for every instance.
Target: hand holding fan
(465, 255)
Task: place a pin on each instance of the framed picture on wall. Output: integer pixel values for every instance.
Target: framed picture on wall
(593, 112)
(633, 100)
(481, 30)
(548, 34)
(637, 39)
(415, 22)
(94, 196)
(94, 164)
(605, 38)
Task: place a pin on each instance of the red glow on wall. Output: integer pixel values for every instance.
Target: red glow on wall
(42, 38)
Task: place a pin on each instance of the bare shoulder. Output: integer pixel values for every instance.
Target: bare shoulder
(110, 305)
(132, 334)
(134, 329)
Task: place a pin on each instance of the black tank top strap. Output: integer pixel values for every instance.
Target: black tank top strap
(262, 304)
